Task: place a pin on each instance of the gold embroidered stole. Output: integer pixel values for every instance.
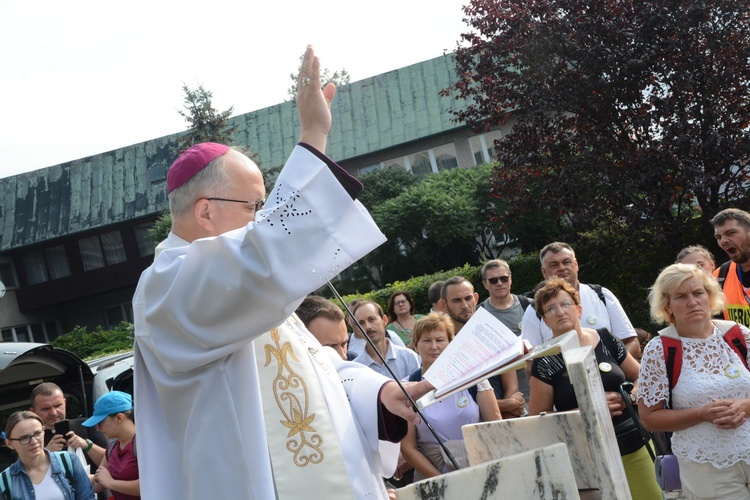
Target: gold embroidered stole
(305, 451)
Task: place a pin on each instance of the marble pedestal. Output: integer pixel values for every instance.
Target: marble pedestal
(544, 474)
(492, 440)
(588, 432)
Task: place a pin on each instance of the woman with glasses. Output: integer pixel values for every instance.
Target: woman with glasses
(559, 305)
(420, 449)
(401, 315)
(39, 473)
(118, 472)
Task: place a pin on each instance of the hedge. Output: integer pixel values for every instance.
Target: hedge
(524, 268)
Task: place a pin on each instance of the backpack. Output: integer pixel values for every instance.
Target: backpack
(672, 346)
(525, 301)
(62, 456)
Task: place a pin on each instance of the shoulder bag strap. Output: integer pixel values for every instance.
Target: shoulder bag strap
(723, 270)
(64, 459)
(6, 477)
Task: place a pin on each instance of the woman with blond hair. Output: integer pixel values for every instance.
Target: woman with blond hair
(707, 406)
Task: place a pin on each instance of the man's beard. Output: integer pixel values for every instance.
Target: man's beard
(741, 256)
(457, 319)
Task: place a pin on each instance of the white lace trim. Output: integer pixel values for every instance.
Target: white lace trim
(702, 378)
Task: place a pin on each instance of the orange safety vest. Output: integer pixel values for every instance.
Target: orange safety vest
(737, 308)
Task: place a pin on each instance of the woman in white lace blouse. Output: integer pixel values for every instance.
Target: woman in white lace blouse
(710, 401)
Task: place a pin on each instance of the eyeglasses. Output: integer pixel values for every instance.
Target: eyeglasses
(493, 281)
(400, 302)
(257, 204)
(24, 440)
(565, 304)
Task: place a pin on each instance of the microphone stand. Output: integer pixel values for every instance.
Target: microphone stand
(393, 375)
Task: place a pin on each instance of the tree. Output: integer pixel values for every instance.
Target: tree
(437, 223)
(338, 78)
(205, 122)
(630, 119)
(206, 125)
(384, 184)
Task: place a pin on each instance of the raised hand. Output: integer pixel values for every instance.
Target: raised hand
(313, 103)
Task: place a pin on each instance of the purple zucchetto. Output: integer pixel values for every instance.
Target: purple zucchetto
(192, 161)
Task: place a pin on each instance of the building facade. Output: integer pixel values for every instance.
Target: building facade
(73, 237)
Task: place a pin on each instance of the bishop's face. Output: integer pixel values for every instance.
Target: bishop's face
(246, 183)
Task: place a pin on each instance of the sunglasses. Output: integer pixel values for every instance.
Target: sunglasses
(493, 281)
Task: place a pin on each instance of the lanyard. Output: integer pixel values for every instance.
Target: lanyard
(742, 284)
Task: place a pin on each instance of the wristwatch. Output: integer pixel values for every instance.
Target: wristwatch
(90, 445)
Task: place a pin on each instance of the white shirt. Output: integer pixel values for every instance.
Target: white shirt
(595, 315)
(401, 360)
(197, 310)
(704, 376)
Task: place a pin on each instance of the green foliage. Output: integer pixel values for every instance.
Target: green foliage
(98, 343)
(437, 223)
(384, 184)
(161, 228)
(205, 122)
(629, 126)
(525, 270)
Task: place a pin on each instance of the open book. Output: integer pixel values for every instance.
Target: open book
(484, 348)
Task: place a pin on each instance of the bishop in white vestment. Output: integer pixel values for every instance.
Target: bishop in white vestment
(234, 398)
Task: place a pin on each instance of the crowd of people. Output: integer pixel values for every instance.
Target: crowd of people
(80, 460)
(239, 397)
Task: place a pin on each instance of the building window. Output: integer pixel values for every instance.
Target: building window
(117, 314)
(395, 163)
(145, 245)
(47, 264)
(36, 270)
(371, 168)
(420, 163)
(445, 157)
(8, 275)
(36, 332)
(57, 262)
(483, 147)
(101, 250)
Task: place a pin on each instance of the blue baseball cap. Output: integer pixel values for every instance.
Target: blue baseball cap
(109, 404)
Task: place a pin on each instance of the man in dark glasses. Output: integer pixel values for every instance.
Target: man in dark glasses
(505, 306)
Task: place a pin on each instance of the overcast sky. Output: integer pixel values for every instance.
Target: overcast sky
(85, 77)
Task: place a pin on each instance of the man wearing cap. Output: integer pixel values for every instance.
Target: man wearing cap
(236, 399)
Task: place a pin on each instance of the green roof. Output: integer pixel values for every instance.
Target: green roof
(369, 115)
